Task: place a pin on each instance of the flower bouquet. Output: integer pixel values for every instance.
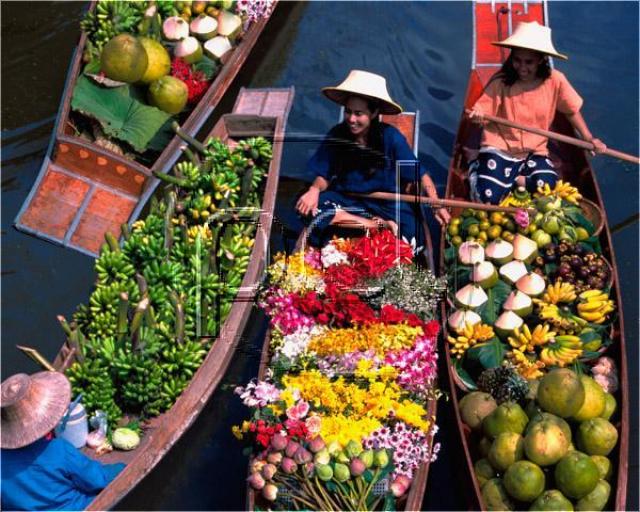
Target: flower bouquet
(344, 415)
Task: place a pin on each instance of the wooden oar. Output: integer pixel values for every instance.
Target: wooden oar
(454, 203)
(563, 138)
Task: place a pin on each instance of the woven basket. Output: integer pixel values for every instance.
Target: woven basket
(593, 214)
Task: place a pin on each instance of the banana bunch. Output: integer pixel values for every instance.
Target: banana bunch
(140, 381)
(201, 206)
(518, 199)
(259, 150)
(468, 336)
(192, 173)
(563, 189)
(562, 319)
(565, 350)
(113, 267)
(526, 340)
(559, 292)
(162, 277)
(93, 380)
(595, 306)
(110, 18)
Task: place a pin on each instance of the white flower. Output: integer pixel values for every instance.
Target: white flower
(332, 256)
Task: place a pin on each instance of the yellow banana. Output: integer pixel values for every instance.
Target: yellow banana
(590, 293)
(591, 305)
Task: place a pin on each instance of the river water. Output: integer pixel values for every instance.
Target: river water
(424, 50)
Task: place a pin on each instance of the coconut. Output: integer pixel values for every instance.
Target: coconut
(189, 50)
(459, 319)
(524, 249)
(229, 24)
(506, 323)
(204, 27)
(532, 284)
(484, 274)
(470, 253)
(217, 47)
(175, 28)
(512, 271)
(471, 296)
(499, 251)
(520, 303)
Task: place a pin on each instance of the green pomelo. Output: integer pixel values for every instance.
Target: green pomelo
(533, 388)
(552, 500)
(604, 466)
(158, 60)
(524, 481)
(610, 406)
(124, 59)
(546, 416)
(596, 436)
(594, 400)
(475, 406)
(169, 94)
(495, 497)
(596, 499)
(507, 417)
(576, 475)
(506, 449)
(546, 443)
(532, 408)
(484, 471)
(561, 392)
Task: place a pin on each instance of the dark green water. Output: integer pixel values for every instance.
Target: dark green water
(424, 50)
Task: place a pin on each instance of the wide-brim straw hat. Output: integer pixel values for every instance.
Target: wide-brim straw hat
(368, 85)
(32, 406)
(531, 36)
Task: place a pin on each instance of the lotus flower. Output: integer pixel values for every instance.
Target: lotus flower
(316, 444)
(313, 424)
(256, 481)
(268, 470)
(353, 448)
(381, 458)
(341, 472)
(367, 458)
(288, 465)
(400, 485)
(291, 449)
(279, 442)
(302, 456)
(322, 457)
(270, 492)
(324, 472)
(357, 467)
(274, 458)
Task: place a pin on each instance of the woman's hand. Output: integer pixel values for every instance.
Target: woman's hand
(477, 117)
(308, 202)
(598, 146)
(443, 216)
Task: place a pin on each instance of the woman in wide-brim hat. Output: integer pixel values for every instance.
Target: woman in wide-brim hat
(528, 91)
(359, 155)
(37, 473)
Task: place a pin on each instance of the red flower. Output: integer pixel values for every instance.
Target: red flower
(431, 329)
(196, 82)
(389, 314)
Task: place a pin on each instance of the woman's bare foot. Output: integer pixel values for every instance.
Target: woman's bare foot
(388, 224)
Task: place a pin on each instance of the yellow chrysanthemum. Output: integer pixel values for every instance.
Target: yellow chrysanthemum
(342, 429)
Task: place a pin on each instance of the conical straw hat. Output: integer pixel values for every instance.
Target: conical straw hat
(32, 406)
(531, 36)
(363, 83)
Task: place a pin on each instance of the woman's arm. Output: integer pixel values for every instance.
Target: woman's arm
(308, 202)
(578, 122)
(442, 214)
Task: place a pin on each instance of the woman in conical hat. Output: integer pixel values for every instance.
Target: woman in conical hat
(359, 156)
(526, 90)
(37, 473)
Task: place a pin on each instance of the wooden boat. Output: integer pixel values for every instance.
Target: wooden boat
(407, 123)
(492, 22)
(84, 190)
(257, 112)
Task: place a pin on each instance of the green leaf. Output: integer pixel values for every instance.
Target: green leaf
(389, 503)
(450, 254)
(490, 310)
(122, 116)
(575, 215)
(468, 221)
(490, 354)
(586, 337)
(207, 67)
(463, 375)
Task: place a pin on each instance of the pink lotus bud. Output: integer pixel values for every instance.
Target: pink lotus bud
(256, 465)
(309, 468)
(400, 485)
(279, 442)
(357, 467)
(274, 458)
(256, 481)
(316, 444)
(322, 457)
(268, 470)
(270, 492)
(291, 449)
(302, 456)
(288, 465)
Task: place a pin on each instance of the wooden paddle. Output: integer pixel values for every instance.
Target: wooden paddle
(444, 203)
(562, 138)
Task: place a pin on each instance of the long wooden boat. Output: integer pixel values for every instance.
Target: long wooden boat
(257, 112)
(407, 123)
(493, 21)
(84, 190)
